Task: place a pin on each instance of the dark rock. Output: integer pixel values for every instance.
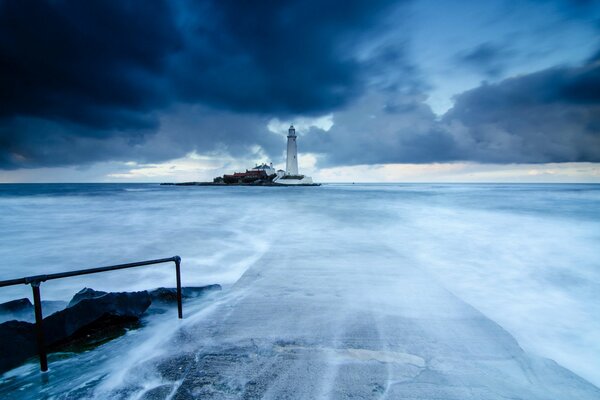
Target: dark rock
(49, 307)
(101, 331)
(191, 292)
(167, 295)
(17, 339)
(85, 293)
(90, 317)
(15, 306)
(17, 343)
(22, 309)
(91, 307)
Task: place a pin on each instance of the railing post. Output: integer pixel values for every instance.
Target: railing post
(178, 273)
(39, 327)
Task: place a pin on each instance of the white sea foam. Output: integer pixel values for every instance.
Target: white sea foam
(523, 255)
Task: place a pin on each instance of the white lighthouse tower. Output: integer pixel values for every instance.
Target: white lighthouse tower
(290, 176)
(292, 153)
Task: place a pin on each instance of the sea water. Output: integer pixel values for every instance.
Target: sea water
(526, 256)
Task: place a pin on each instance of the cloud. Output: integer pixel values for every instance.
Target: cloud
(382, 128)
(488, 58)
(550, 116)
(324, 122)
(573, 9)
(279, 57)
(95, 63)
(76, 73)
(462, 172)
(108, 80)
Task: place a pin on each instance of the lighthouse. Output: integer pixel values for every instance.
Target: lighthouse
(292, 153)
(290, 176)
(266, 175)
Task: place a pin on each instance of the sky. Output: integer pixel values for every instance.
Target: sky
(379, 91)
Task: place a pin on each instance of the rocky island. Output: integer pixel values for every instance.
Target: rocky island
(264, 174)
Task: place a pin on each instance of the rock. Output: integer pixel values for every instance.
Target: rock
(99, 332)
(87, 308)
(92, 306)
(22, 309)
(90, 314)
(85, 293)
(49, 307)
(167, 295)
(17, 343)
(15, 306)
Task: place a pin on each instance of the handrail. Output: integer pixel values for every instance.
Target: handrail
(36, 280)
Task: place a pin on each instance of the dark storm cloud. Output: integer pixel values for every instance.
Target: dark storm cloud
(488, 58)
(548, 116)
(101, 80)
(280, 57)
(573, 8)
(97, 63)
(75, 72)
(382, 128)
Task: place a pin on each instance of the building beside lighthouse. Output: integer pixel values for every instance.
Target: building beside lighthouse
(291, 176)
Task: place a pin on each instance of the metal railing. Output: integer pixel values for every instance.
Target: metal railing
(36, 280)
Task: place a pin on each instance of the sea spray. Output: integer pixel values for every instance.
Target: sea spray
(524, 255)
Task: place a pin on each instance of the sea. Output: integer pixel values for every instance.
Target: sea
(527, 256)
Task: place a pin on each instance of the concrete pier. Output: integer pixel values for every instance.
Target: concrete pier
(353, 325)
